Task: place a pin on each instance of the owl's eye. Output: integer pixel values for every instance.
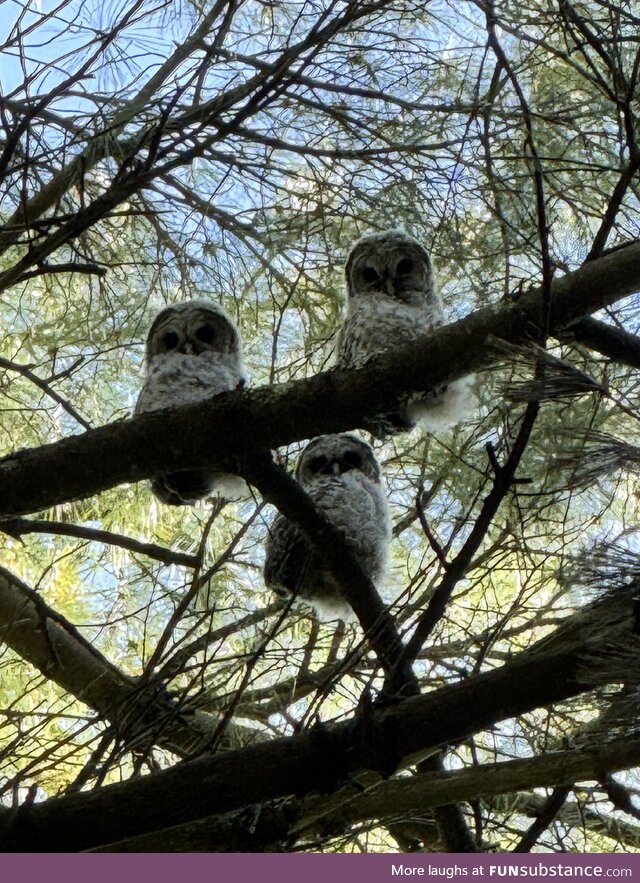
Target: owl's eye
(352, 459)
(171, 340)
(318, 464)
(205, 333)
(404, 267)
(369, 274)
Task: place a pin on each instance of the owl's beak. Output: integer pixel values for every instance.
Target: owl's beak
(389, 287)
(187, 349)
(335, 468)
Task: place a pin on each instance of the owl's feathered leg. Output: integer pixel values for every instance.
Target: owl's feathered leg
(444, 409)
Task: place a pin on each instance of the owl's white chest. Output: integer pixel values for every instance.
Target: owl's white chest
(374, 325)
(182, 378)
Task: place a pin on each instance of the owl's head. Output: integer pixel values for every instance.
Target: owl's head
(336, 455)
(195, 327)
(392, 263)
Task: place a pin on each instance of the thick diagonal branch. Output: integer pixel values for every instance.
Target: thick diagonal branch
(615, 343)
(558, 667)
(335, 401)
(291, 500)
(143, 713)
(319, 817)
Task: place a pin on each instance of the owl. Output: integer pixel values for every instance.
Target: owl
(393, 299)
(193, 351)
(342, 476)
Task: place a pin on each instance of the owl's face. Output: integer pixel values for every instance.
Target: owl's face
(194, 327)
(336, 455)
(392, 263)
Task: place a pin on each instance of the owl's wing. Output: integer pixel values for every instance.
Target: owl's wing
(288, 558)
(149, 400)
(340, 348)
(351, 346)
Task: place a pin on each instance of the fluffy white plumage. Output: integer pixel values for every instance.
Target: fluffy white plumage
(193, 352)
(341, 474)
(393, 299)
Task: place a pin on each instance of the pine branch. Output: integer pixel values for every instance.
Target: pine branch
(17, 527)
(268, 417)
(322, 759)
(616, 344)
(142, 711)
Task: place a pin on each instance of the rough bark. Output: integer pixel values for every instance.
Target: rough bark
(258, 829)
(141, 711)
(615, 343)
(218, 430)
(323, 759)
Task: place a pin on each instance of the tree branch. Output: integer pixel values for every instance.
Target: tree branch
(455, 570)
(334, 401)
(142, 710)
(619, 345)
(279, 488)
(558, 667)
(46, 387)
(548, 811)
(320, 817)
(17, 527)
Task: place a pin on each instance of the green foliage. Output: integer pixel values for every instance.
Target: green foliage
(403, 118)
